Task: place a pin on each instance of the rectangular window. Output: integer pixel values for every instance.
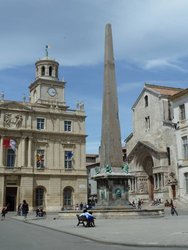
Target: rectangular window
(67, 126)
(185, 147)
(68, 159)
(10, 158)
(40, 123)
(40, 159)
(182, 112)
(147, 123)
(168, 155)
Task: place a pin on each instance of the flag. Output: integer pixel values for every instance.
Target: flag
(9, 143)
(6, 142)
(40, 159)
(69, 154)
(12, 144)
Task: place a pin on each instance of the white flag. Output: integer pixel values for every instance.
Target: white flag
(13, 144)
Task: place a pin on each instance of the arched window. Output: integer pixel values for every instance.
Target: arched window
(67, 196)
(50, 71)
(39, 197)
(43, 71)
(146, 100)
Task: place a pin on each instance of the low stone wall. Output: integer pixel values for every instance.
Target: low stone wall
(116, 214)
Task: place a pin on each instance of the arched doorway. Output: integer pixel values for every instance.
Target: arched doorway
(148, 168)
(68, 198)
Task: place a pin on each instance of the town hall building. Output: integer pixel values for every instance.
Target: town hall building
(42, 146)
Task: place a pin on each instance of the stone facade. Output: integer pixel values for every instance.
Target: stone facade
(151, 148)
(180, 108)
(42, 146)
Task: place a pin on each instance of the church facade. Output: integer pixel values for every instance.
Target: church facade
(42, 146)
(152, 147)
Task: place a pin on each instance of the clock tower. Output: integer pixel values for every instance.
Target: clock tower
(47, 88)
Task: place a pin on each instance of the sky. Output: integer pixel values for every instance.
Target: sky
(150, 40)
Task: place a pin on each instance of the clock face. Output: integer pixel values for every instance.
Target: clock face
(52, 91)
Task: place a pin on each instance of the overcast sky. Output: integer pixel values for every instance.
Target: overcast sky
(150, 39)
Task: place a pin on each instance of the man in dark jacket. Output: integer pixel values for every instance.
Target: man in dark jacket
(25, 208)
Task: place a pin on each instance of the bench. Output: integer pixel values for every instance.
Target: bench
(84, 221)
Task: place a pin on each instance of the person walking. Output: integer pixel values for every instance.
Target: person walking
(25, 209)
(139, 204)
(173, 208)
(20, 209)
(3, 212)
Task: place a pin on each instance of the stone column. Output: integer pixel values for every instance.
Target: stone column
(2, 189)
(135, 184)
(157, 180)
(1, 152)
(154, 179)
(29, 152)
(162, 177)
(23, 152)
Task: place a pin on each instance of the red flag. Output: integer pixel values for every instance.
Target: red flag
(6, 143)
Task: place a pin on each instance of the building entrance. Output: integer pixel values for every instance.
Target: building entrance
(11, 194)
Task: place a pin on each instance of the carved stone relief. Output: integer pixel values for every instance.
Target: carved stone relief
(13, 120)
(142, 185)
(172, 179)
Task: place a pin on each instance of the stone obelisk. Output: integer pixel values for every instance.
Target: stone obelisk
(111, 148)
(112, 180)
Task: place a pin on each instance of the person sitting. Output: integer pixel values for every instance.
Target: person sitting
(40, 212)
(90, 218)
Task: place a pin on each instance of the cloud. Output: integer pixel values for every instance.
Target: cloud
(164, 64)
(144, 32)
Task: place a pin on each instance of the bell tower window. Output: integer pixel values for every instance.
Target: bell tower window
(43, 71)
(50, 71)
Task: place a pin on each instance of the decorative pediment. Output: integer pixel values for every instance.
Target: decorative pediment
(13, 105)
(139, 148)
